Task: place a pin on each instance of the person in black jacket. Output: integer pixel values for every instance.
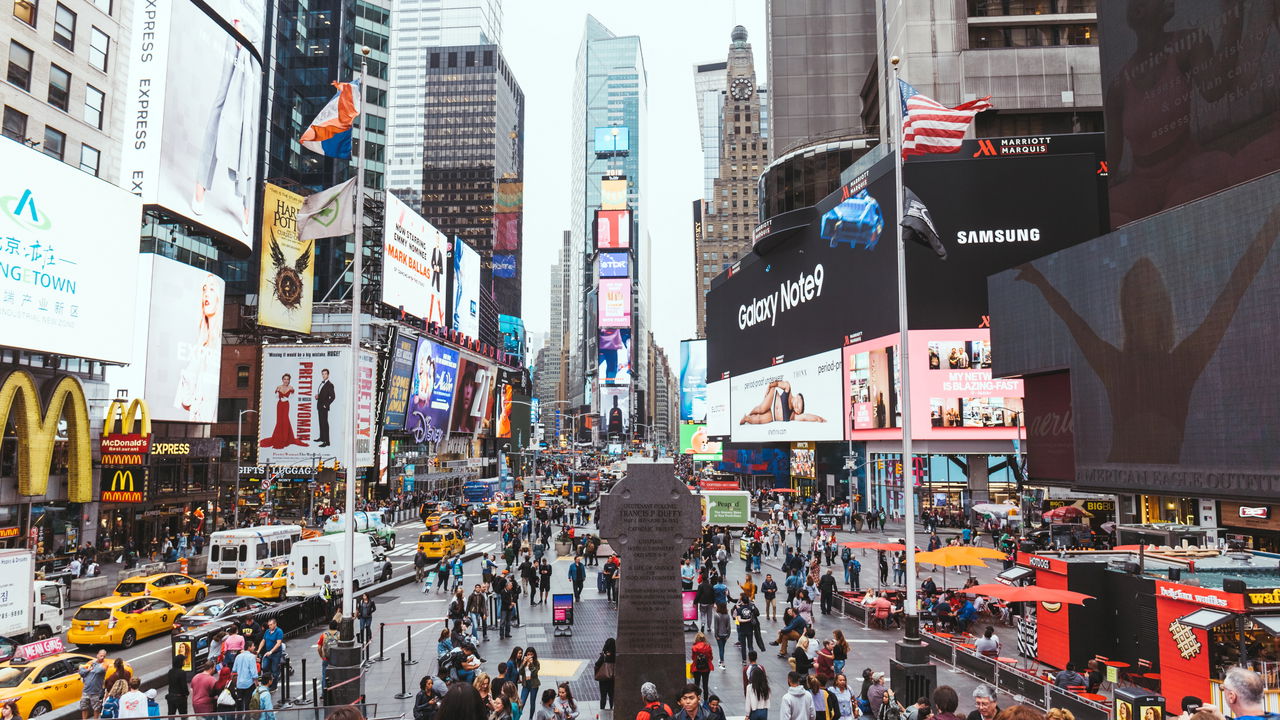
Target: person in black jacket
(178, 692)
(426, 702)
(604, 670)
(827, 591)
(704, 597)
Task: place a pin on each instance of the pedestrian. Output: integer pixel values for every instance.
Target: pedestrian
(796, 703)
(745, 616)
(605, 668)
(528, 677)
(722, 626)
(461, 702)
(271, 649)
(945, 702)
(133, 704)
(704, 597)
(875, 693)
(769, 588)
(260, 698)
(544, 580)
(700, 662)
(176, 697)
(477, 609)
(564, 706)
(986, 707)
(884, 569)
(327, 640)
(426, 703)
(246, 674)
(844, 702)
(92, 677)
(419, 565)
(117, 672)
(827, 592)
(365, 609)
(442, 575)
(578, 577)
(691, 707)
(544, 710)
(840, 650)
(757, 694)
(654, 708)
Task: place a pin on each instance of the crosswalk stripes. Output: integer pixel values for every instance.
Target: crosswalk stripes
(410, 549)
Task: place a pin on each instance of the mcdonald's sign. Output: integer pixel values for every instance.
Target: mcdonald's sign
(124, 486)
(35, 414)
(117, 447)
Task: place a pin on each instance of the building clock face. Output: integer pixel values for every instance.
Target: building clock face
(741, 88)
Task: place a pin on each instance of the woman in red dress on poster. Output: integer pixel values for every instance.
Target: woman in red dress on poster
(282, 436)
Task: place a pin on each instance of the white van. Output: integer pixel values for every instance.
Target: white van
(315, 558)
(235, 554)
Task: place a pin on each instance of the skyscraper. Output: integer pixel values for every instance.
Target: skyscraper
(610, 91)
(729, 213)
(417, 27)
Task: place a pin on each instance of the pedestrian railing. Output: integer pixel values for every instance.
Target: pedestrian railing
(286, 712)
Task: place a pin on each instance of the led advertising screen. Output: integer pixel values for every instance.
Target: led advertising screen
(836, 280)
(693, 381)
(802, 460)
(796, 400)
(1192, 98)
(68, 259)
(194, 145)
(694, 442)
(615, 411)
(613, 193)
(400, 368)
(614, 354)
(719, 417)
(954, 395)
(184, 342)
(305, 405)
(413, 263)
(613, 229)
(615, 303)
(286, 266)
(466, 289)
(508, 207)
(1158, 325)
(473, 399)
(613, 139)
(615, 264)
(431, 396)
(504, 402)
(366, 377)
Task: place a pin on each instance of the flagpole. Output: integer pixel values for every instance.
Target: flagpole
(911, 606)
(348, 577)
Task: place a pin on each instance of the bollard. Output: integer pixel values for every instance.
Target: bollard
(315, 692)
(408, 641)
(403, 692)
(382, 641)
(304, 680)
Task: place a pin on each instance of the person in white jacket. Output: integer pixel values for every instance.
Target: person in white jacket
(797, 703)
(757, 693)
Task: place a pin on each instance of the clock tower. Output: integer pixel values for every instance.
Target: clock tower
(730, 214)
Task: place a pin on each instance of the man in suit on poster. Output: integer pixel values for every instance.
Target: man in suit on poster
(324, 400)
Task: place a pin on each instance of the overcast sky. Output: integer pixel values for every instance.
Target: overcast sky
(540, 41)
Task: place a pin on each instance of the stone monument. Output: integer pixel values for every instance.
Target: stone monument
(649, 519)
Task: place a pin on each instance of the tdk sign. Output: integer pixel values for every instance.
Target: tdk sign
(790, 294)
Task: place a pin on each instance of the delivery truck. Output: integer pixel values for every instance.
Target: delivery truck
(30, 609)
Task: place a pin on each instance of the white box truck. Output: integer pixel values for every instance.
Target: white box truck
(30, 609)
(313, 559)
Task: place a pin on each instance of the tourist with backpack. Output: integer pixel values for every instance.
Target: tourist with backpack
(327, 641)
(261, 698)
(654, 708)
(744, 617)
(700, 662)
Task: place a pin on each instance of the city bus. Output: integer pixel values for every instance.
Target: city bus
(234, 554)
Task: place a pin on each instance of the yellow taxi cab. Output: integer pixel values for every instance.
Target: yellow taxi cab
(45, 683)
(514, 507)
(441, 543)
(266, 583)
(174, 587)
(433, 520)
(122, 620)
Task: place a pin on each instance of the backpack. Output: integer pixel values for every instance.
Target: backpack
(329, 637)
(701, 663)
(255, 700)
(659, 712)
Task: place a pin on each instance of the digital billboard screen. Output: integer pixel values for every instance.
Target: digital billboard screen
(413, 263)
(992, 212)
(400, 369)
(694, 442)
(615, 303)
(693, 381)
(614, 355)
(802, 461)
(615, 264)
(1172, 385)
(615, 409)
(613, 229)
(473, 398)
(69, 266)
(194, 150)
(616, 138)
(719, 418)
(613, 193)
(954, 395)
(795, 400)
(466, 289)
(435, 377)
(1191, 99)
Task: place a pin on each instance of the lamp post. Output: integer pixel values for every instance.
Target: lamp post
(1019, 443)
(235, 499)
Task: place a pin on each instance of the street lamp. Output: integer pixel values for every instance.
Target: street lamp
(1018, 421)
(239, 457)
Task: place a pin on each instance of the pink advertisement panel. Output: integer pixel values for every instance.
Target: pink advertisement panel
(615, 302)
(954, 396)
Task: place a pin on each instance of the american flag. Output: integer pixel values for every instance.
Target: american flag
(928, 126)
